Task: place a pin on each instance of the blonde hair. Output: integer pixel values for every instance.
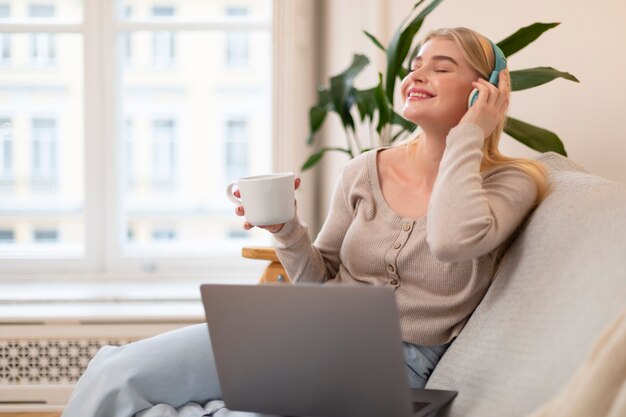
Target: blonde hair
(479, 53)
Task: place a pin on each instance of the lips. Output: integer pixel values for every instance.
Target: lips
(418, 94)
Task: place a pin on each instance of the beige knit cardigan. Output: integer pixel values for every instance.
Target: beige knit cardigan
(439, 265)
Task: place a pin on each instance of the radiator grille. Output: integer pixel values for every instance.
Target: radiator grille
(34, 362)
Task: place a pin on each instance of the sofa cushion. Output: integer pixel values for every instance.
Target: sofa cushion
(560, 283)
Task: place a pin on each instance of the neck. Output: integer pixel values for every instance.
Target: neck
(428, 153)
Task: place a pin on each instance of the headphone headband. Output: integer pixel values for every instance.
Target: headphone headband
(499, 63)
(494, 78)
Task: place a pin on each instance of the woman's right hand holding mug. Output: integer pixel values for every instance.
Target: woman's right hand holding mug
(273, 228)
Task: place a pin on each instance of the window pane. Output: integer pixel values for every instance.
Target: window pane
(194, 128)
(43, 49)
(5, 38)
(41, 151)
(6, 236)
(236, 41)
(194, 10)
(41, 10)
(46, 236)
(46, 11)
(6, 150)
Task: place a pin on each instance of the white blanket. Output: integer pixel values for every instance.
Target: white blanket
(211, 409)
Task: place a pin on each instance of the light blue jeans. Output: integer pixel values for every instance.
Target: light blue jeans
(175, 368)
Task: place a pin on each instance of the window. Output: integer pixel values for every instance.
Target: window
(5, 38)
(45, 236)
(132, 173)
(163, 41)
(163, 234)
(44, 149)
(236, 149)
(128, 151)
(163, 151)
(6, 149)
(43, 45)
(6, 236)
(236, 42)
(127, 40)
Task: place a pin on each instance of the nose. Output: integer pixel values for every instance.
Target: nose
(417, 75)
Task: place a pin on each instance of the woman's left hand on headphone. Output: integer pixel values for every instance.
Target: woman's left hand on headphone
(492, 103)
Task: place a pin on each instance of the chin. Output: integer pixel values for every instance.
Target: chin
(425, 118)
(414, 115)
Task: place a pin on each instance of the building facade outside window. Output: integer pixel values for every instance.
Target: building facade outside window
(7, 236)
(6, 149)
(164, 153)
(237, 42)
(45, 236)
(163, 45)
(5, 38)
(43, 45)
(236, 149)
(44, 149)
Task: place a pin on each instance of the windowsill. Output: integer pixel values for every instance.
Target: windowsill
(102, 302)
(112, 312)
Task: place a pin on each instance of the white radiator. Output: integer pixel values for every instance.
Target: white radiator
(41, 361)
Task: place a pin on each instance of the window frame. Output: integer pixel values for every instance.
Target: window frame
(103, 257)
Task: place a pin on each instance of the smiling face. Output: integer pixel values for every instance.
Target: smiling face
(435, 92)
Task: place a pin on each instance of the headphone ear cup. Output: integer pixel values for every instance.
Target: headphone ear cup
(473, 96)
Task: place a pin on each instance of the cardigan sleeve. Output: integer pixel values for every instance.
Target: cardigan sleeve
(315, 262)
(468, 215)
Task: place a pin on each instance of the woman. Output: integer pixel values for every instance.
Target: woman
(428, 219)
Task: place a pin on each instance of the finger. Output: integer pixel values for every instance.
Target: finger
(297, 183)
(237, 194)
(483, 92)
(493, 91)
(247, 226)
(239, 211)
(505, 91)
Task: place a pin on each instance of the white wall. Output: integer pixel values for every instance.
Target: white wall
(589, 43)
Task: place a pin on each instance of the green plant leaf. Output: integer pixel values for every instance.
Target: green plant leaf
(376, 41)
(534, 137)
(401, 44)
(366, 102)
(533, 77)
(404, 71)
(317, 115)
(384, 106)
(524, 36)
(323, 97)
(342, 90)
(317, 157)
(396, 119)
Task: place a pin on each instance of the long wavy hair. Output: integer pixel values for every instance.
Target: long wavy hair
(479, 53)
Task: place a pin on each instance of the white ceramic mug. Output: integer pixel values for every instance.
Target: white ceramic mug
(266, 199)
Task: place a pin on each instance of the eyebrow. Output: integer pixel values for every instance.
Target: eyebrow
(439, 58)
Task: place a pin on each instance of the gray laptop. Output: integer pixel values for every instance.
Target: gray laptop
(315, 351)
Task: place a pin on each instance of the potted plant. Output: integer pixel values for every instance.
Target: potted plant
(374, 106)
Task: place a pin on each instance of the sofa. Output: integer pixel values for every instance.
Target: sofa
(559, 284)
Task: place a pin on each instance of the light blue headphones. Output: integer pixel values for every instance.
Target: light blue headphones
(500, 64)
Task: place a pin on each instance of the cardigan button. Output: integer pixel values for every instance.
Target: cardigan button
(397, 245)
(394, 282)
(390, 268)
(406, 227)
